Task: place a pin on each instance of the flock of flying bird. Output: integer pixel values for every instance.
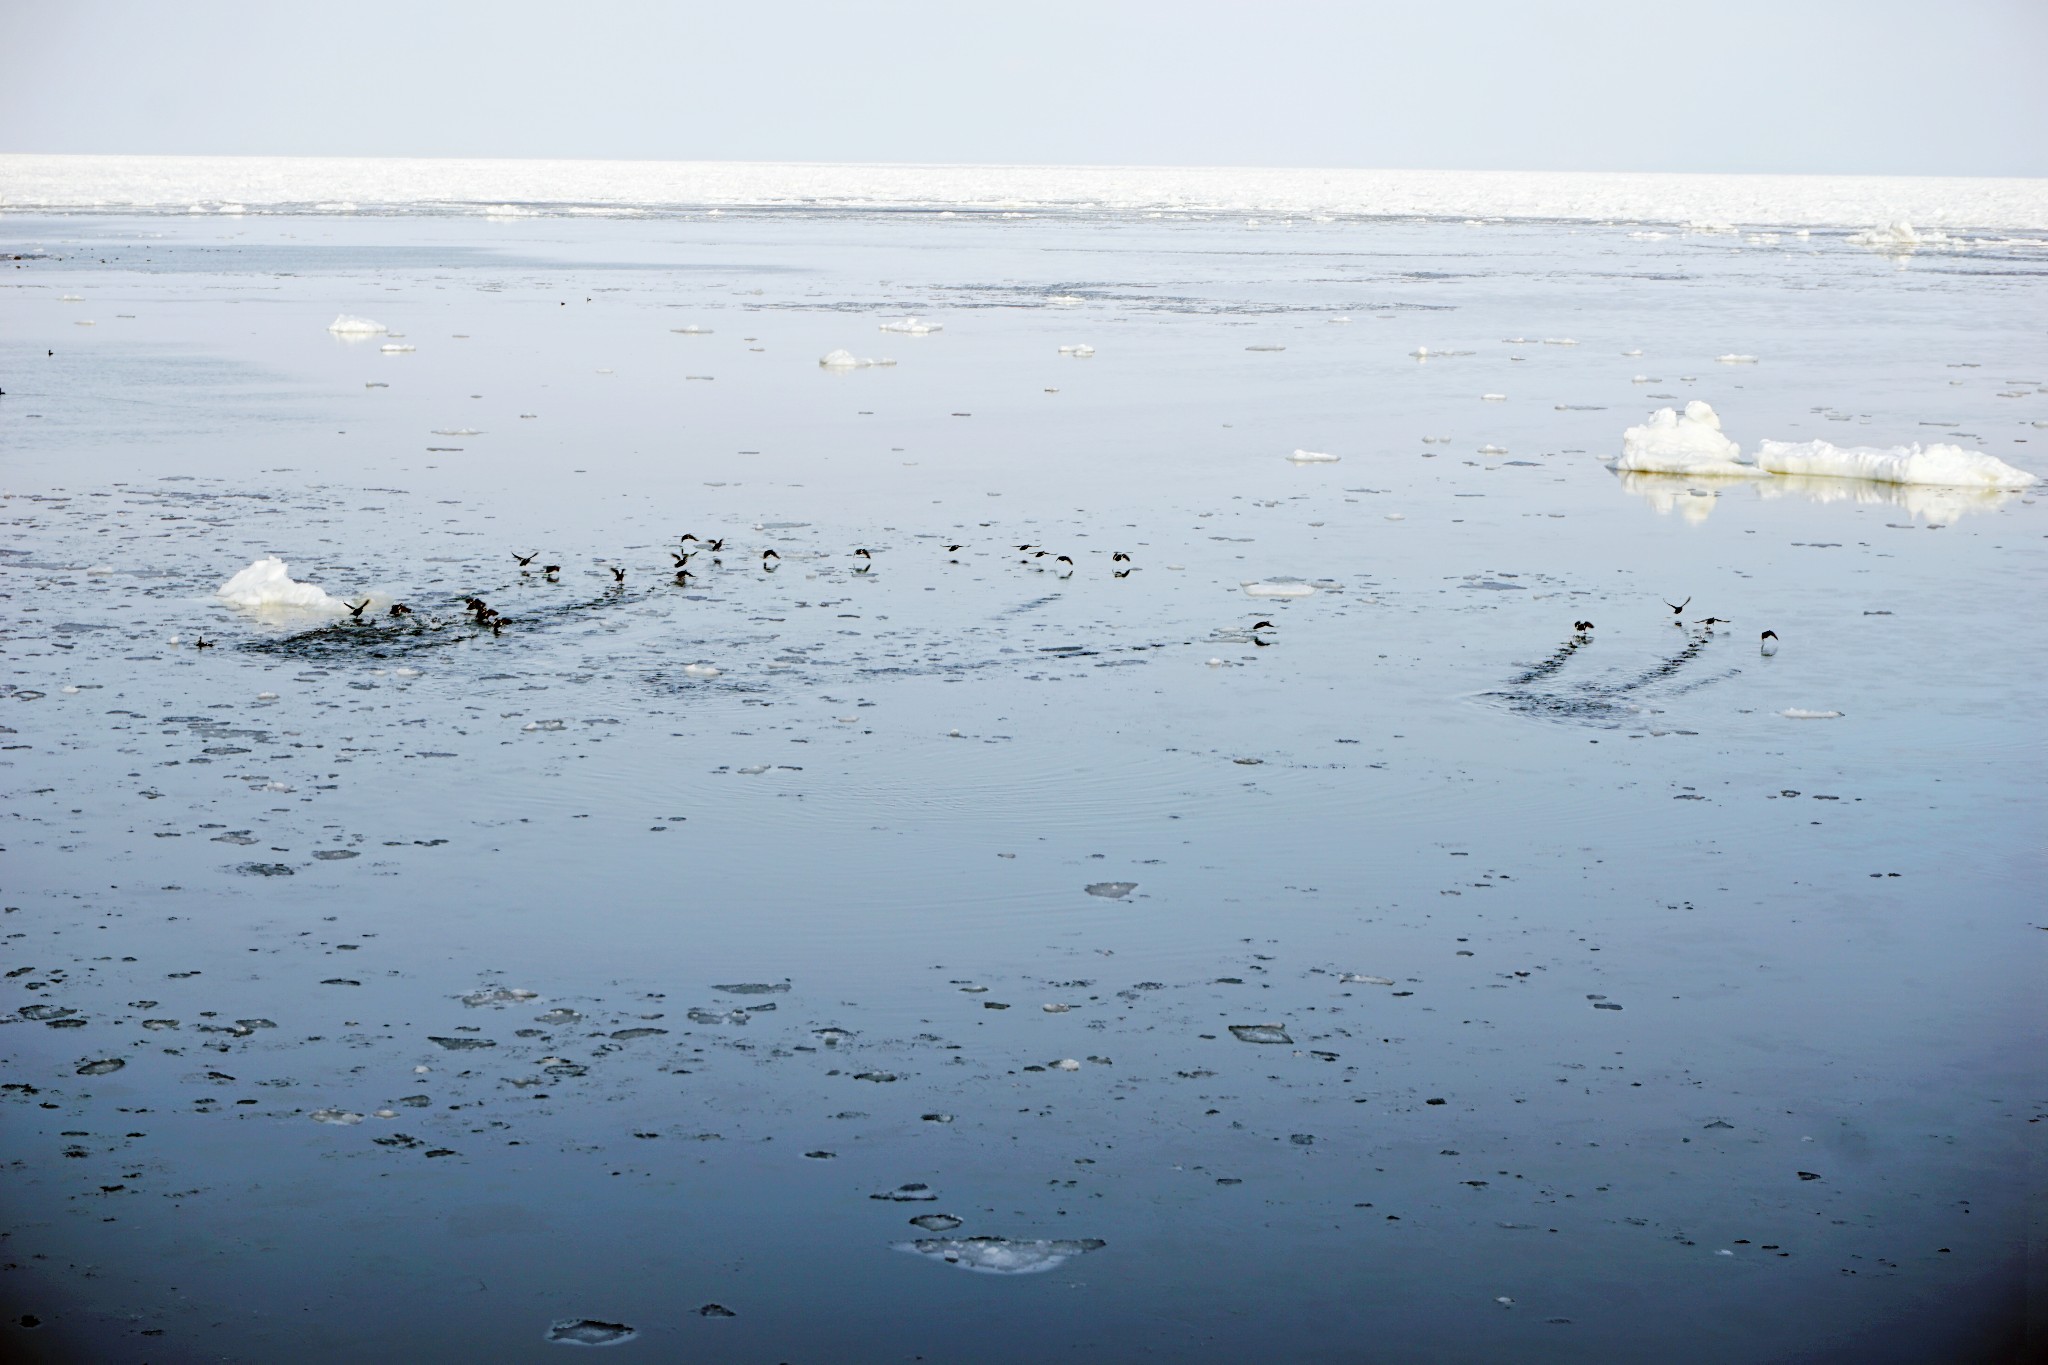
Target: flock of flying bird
(689, 546)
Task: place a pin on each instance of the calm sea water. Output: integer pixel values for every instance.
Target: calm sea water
(1615, 1014)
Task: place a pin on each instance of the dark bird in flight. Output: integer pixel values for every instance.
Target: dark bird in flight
(715, 545)
(1119, 558)
(355, 609)
(1263, 625)
(525, 560)
(618, 574)
(1679, 608)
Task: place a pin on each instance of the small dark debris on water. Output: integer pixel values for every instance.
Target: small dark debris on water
(716, 1310)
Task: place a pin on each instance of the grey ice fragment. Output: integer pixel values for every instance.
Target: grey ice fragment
(753, 988)
(105, 1066)
(589, 1332)
(1000, 1255)
(627, 1035)
(498, 995)
(1260, 1033)
(560, 1016)
(935, 1222)
(460, 1044)
(915, 1193)
(1111, 890)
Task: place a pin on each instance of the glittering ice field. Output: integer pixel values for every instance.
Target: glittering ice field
(1248, 864)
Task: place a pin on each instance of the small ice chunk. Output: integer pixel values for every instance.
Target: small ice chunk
(99, 571)
(913, 1193)
(1111, 890)
(1948, 465)
(1493, 398)
(701, 670)
(1692, 444)
(498, 995)
(348, 325)
(1078, 350)
(336, 1116)
(1260, 1033)
(589, 1332)
(693, 330)
(397, 347)
(1313, 457)
(1277, 589)
(1732, 359)
(913, 326)
(1493, 450)
(267, 585)
(1055, 1008)
(1801, 713)
(935, 1222)
(1000, 1255)
(1356, 979)
(1066, 1064)
(843, 359)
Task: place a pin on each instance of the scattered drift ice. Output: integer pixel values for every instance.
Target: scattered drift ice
(1944, 465)
(267, 585)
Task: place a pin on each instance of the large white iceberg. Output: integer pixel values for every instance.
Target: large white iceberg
(1946, 465)
(267, 585)
(1691, 443)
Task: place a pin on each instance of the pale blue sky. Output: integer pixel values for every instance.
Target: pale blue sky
(1848, 86)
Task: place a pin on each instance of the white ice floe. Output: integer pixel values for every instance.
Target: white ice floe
(1493, 398)
(267, 585)
(1801, 713)
(1689, 444)
(397, 347)
(1732, 359)
(843, 359)
(348, 325)
(913, 326)
(701, 670)
(1277, 589)
(693, 330)
(1900, 238)
(1000, 1255)
(1078, 349)
(1313, 457)
(1948, 465)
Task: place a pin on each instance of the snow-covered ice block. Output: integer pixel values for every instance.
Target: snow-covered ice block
(267, 585)
(1692, 443)
(1947, 465)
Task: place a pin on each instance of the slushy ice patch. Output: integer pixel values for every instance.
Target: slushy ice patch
(1000, 1255)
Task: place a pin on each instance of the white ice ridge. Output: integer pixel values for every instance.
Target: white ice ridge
(1944, 465)
(267, 585)
(1689, 444)
(349, 325)
(508, 188)
(914, 326)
